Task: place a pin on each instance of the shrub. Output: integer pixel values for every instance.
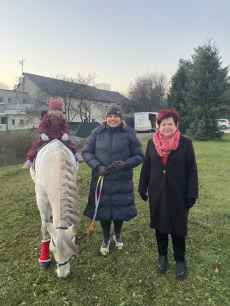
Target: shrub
(14, 148)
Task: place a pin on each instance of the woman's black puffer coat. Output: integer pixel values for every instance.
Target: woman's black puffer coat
(105, 146)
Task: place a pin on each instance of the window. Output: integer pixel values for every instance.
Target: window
(1, 100)
(9, 100)
(21, 122)
(12, 121)
(24, 101)
(93, 120)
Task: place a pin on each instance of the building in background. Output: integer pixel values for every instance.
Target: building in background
(15, 105)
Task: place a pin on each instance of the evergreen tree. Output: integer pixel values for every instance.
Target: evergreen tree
(176, 94)
(206, 91)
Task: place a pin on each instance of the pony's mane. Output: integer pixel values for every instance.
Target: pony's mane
(69, 207)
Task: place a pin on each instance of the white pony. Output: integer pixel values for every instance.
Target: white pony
(56, 192)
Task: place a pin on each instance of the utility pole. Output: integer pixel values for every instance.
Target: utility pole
(21, 63)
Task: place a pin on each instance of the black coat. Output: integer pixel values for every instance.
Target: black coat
(169, 185)
(104, 146)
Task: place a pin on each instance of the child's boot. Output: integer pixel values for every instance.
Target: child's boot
(27, 165)
(79, 158)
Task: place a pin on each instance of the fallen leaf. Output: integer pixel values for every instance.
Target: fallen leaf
(189, 285)
(216, 270)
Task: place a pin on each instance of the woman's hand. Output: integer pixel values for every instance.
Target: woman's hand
(120, 164)
(102, 170)
(44, 137)
(144, 196)
(65, 137)
(190, 202)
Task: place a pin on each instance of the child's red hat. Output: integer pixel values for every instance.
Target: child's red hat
(55, 104)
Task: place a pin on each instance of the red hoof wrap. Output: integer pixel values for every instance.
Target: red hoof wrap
(45, 251)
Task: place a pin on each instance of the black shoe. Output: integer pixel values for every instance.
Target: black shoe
(181, 270)
(162, 264)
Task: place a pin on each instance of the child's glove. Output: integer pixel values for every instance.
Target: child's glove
(65, 137)
(44, 137)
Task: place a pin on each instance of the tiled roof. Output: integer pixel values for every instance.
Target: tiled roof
(55, 85)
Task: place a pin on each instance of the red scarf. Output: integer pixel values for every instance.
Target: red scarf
(162, 146)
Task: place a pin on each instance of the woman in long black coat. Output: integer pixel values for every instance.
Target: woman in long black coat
(112, 144)
(169, 173)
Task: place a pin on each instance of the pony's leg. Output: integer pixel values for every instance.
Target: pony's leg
(44, 208)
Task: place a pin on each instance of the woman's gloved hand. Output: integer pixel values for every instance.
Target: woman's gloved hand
(144, 196)
(120, 164)
(102, 170)
(65, 137)
(190, 202)
(44, 137)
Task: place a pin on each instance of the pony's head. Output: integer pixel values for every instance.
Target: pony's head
(63, 246)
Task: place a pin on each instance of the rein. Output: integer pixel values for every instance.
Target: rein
(90, 229)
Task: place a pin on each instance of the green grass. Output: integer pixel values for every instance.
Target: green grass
(126, 277)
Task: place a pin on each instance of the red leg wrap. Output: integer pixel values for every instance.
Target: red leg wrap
(45, 251)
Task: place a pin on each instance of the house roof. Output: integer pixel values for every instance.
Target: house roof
(115, 96)
(56, 85)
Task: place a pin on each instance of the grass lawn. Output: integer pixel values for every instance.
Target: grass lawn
(129, 276)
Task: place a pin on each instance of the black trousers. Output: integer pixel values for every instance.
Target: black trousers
(178, 245)
(106, 225)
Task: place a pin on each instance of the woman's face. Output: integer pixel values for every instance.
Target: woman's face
(56, 112)
(168, 128)
(113, 120)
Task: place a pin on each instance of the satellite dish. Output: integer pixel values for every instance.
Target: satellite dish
(15, 86)
(20, 79)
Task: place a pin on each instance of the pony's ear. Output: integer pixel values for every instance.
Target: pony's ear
(72, 230)
(51, 229)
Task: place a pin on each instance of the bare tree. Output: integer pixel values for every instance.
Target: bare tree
(36, 104)
(4, 86)
(146, 92)
(104, 86)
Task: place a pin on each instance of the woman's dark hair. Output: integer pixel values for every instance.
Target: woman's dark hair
(167, 113)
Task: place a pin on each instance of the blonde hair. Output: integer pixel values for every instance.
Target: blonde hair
(62, 116)
(123, 124)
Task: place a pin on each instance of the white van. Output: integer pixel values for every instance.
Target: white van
(145, 122)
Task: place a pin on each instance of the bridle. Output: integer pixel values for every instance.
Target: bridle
(74, 255)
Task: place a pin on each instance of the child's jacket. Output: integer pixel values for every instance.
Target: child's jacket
(53, 128)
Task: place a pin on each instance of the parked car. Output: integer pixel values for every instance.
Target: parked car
(223, 123)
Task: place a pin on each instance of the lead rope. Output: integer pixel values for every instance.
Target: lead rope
(97, 200)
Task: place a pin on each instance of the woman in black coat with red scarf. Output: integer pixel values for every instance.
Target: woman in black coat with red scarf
(169, 173)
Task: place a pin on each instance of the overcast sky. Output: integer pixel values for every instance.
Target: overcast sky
(116, 39)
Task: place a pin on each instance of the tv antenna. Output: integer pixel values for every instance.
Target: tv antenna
(21, 63)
